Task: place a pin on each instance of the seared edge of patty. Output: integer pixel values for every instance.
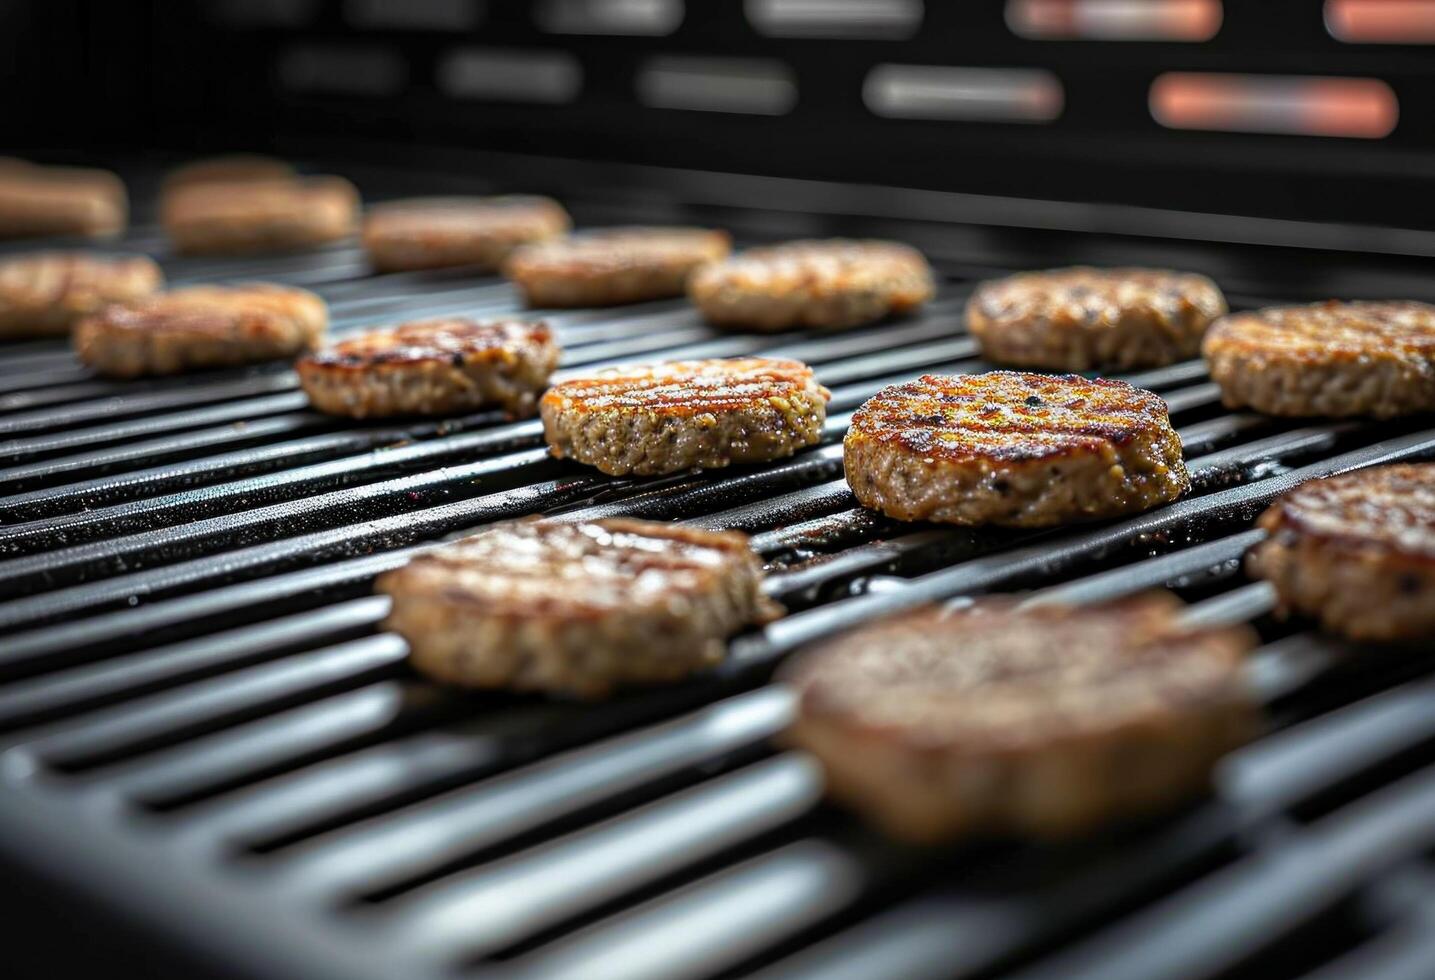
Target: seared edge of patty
(45, 293)
(1082, 318)
(829, 283)
(1356, 552)
(576, 609)
(433, 367)
(1327, 359)
(200, 327)
(1038, 722)
(682, 415)
(437, 232)
(614, 266)
(1023, 450)
(242, 217)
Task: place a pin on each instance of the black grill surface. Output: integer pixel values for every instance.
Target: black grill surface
(205, 736)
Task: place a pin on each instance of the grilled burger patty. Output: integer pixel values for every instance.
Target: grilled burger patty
(201, 327)
(248, 216)
(1024, 450)
(1330, 359)
(1037, 722)
(438, 232)
(37, 200)
(45, 293)
(1356, 551)
(228, 169)
(1082, 318)
(576, 609)
(832, 283)
(614, 266)
(433, 367)
(670, 417)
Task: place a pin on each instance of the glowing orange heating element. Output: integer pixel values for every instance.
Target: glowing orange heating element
(1301, 105)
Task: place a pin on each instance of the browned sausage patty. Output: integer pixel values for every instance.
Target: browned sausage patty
(433, 367)
(1025, 450)
(832, 283)
(228, 169)
(201, 327)
(37, 200)
(617, 265)
(1356, 552)
(666, 418)
(45, 293)
(1331, 359)
(1004, 721)
(249, 216)
(1082, 318)
(437, 232)
(576, 609)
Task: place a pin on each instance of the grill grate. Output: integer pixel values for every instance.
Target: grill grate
(200, 722)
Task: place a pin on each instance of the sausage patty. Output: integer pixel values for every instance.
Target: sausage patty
(437, 232)
(228, 169)
(1037, 722)
(576, 609)
(614, 266)
(832, 283)
(1025, 450)
(249, 216)
(1330, 359)
(670, 417)
(45, 293)
(37, 200)
(1080, 319)
(201, 327)
(1356, 552)
(432, 367)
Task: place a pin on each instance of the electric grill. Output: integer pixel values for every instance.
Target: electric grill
(213, 761)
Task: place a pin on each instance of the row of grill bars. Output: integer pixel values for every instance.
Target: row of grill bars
(360, 614)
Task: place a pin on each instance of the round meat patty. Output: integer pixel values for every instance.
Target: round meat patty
(44, 294)
(1081, 319)
(614, 266)
(681, 415)
(1327, 359)
(576, 609)
(251, 216)
(832, 283)
(228, 169)
(37, 200)
(433, 367)
(1024, 450)
(201, 327)
(1039, 722)
(1356, 552)
(439, 232)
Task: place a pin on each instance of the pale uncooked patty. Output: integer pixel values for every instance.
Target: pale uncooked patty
(1025, 450)
(38, 200)
(1038, 722)
(576, 609)
(1327, 359)
(1080, 319)
(439, 232)
(614, 266)
(249, 216)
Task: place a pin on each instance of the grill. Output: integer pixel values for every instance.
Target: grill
(204, 734)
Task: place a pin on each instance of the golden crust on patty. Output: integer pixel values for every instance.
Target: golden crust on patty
(679, 415)
(614, 266)
(38, 200)
(1082, 318)
(201, 327)
(1010, 721)
(1356, 551)
(438, 232)
(819, 283)
(576, 609)
(250, 216)
(45, 293)
(1327, 359)
(433, 367)
(1025, 450)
